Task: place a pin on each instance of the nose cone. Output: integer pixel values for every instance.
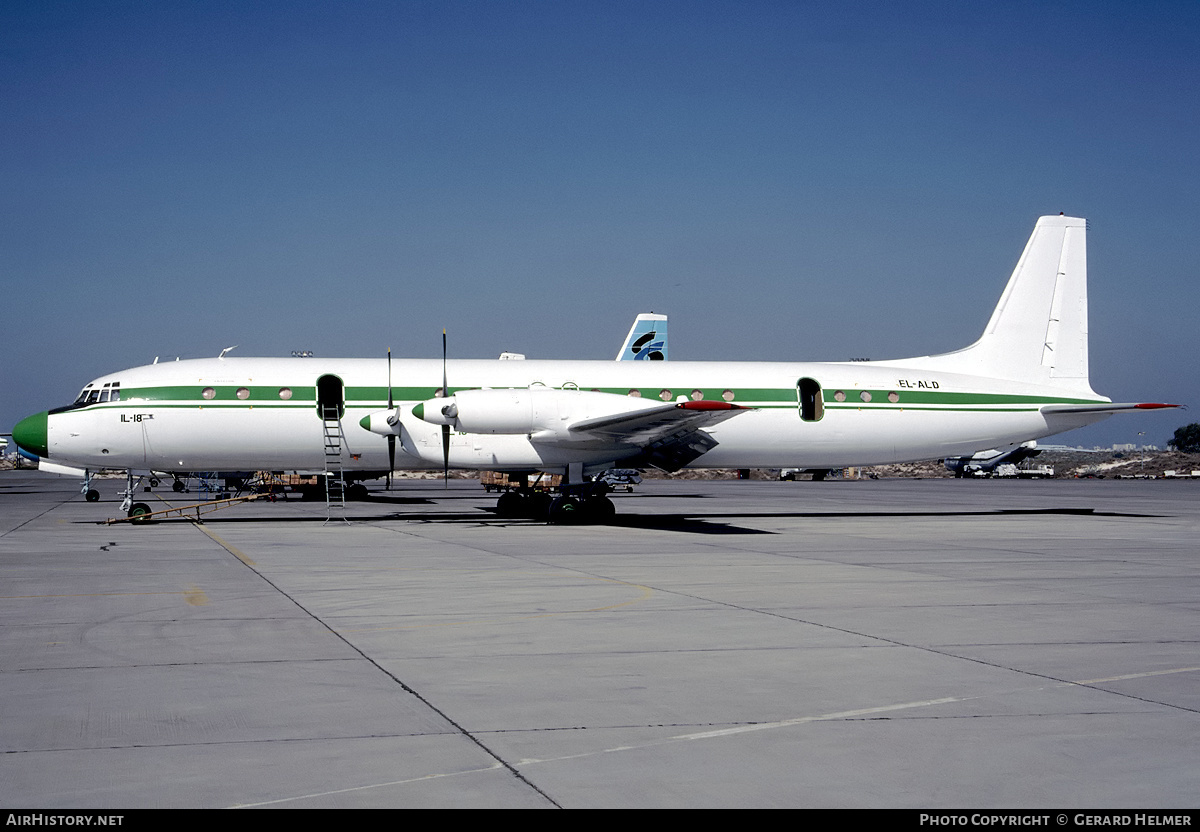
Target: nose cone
(30, 434)
(379, 423)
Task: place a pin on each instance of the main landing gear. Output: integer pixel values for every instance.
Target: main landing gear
(575, 504)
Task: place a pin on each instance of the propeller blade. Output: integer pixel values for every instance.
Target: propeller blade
(445, 428)
(391, 440)
(445, 456)
(391, 458)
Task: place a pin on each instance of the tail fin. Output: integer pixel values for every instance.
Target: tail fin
(647, 339)
(1039, 331)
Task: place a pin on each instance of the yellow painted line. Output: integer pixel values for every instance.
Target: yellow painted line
(231, 549)
(88, 595)
(195, 596)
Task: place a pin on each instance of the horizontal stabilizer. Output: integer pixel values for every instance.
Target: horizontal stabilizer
(1105, 407)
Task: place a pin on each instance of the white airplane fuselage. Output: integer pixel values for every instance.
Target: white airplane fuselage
(163, 421)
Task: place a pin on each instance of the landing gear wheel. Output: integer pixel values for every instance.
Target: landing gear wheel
(601, 510)
(138, 512)
(154, 482)
(177, 487)
(92, 495)
(358, 491)
(565, 511)
(511, 504)
(537, 505)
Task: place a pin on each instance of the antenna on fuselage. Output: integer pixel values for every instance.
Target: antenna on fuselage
(227, 349)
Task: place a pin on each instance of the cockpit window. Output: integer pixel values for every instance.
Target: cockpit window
(109, 392)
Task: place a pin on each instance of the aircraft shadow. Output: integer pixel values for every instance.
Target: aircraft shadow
(718, 523)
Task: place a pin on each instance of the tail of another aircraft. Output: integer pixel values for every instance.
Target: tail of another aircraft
(1039, 331)
(647, 339)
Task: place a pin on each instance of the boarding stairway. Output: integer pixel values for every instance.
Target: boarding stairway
(335, 485)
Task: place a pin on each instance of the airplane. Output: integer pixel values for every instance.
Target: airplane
(1026, 377)
(647, 339)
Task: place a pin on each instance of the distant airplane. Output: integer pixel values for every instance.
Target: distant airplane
(1025, 378)
(982, 462)
(647, 339)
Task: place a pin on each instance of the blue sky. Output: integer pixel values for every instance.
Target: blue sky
(786, 180)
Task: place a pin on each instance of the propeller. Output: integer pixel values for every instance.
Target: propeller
(391, 437)
(445, 428)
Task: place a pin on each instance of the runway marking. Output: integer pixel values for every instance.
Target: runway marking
(195, 596)
(228, 547)
(804, 720)
(646, 593)
(350, 789)
(231, 549)
(89, 595)
(745, 729)
(1137, 675)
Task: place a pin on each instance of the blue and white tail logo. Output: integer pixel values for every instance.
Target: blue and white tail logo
(647, 339)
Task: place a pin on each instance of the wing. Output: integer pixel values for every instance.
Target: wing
(645, 426)
(669, 436)
(666, 436)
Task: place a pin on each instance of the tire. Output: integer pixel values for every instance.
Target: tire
(565, 511)
(177, 487)
(511, 504)
(601, 510)
(537, 506)
(138, 512)
(92, 496)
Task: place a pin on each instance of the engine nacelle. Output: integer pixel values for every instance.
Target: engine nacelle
(529, 410)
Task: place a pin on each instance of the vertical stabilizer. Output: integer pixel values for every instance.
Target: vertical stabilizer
(647, 339)
(1038, 331)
